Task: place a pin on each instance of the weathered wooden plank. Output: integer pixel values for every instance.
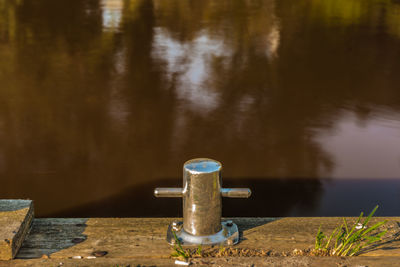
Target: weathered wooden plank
(119, 237)
(286, 234)
(15, 219)
(132, 238)
(226, 261)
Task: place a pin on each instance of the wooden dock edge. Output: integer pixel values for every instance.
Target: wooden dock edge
(360, 261)
(16, 217)
(141, 241)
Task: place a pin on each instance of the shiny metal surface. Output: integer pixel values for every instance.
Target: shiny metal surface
(202, 202)
(202, 191)
(228, 235)
(168, 192)
(236, 192)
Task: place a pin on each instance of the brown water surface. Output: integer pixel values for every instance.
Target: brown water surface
(103, 100)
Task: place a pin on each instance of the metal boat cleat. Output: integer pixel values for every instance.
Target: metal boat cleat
(202, 192)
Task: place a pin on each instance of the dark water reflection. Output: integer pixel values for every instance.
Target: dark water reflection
(101, 100)
(273, 197)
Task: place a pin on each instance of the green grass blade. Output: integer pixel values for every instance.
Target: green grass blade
(199, 249)
(350, 242)
(345, 225)
(179, 249)
(317, 242)
(375, 226)
(175, 254)
(319, 238)
(370, 215)
(177, 241)
(355, 224)
(330, 238)
(353, 238)
(347, 250)
(356, 250)
(339, 237)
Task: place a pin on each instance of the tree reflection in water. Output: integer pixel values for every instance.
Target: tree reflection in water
(103, 99)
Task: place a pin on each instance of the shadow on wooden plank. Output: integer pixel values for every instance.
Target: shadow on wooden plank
(51, 235)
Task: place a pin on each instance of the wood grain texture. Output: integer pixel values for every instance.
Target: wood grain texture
(15, 219)
(132, 238)
(226, 261)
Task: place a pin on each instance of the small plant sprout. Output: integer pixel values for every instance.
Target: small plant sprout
(179, 252)
(349, 240)
(199, 250)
